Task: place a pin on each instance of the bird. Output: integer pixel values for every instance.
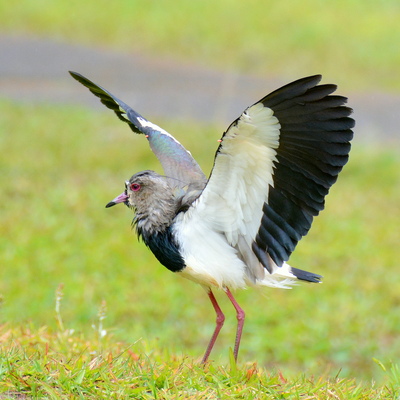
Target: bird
(272, 169)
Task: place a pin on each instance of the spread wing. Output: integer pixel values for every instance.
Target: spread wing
(274, 167)
(176, 161)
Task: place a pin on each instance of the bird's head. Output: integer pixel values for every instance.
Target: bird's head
(149, 194)
(139, 188)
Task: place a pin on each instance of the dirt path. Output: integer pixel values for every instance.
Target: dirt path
(36, 70)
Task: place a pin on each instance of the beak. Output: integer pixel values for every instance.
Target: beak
(122, 198)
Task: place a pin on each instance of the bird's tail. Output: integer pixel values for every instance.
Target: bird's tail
(306, 276)
(285, 277)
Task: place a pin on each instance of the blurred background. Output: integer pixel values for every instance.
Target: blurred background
(192, 67)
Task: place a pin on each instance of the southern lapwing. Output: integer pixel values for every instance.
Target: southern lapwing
(272, 169)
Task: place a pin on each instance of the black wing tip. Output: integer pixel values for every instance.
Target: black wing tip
(305, 83)
(310, 80)
(97, 90)
(306, 276)
(113, 103)
(315, 79)
(77, 76)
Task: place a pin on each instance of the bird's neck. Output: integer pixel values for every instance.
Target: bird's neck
(155, 217)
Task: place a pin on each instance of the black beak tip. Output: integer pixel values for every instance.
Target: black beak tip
(110, 204)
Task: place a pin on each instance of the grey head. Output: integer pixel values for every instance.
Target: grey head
(153, 198)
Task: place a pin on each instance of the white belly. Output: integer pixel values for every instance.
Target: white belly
(209, 259)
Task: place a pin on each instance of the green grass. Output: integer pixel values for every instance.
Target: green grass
(61, 165)
(64, 365)
(354, 42)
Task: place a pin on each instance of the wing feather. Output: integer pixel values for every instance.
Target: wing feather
(274, 167)
(176, 161)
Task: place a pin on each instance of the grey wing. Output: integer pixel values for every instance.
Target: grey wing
(176, 161)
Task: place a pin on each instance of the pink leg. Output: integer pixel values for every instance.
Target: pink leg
(220, 322)
(240, 315)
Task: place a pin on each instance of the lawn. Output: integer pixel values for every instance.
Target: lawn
(87, 309)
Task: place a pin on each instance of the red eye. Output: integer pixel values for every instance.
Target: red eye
(135, 187)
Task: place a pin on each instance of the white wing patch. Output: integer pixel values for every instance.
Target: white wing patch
(147, 124)
(231, 203)
(238, 187)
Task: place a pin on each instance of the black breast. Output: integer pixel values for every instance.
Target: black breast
(164, 247)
